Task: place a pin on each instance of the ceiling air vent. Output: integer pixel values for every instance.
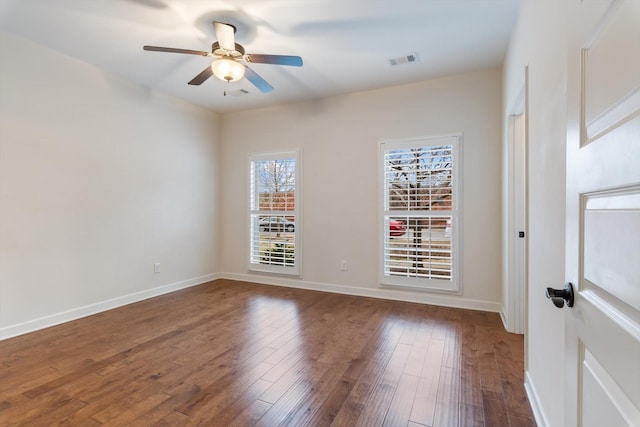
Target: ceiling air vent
(237, 93)
(407, 59)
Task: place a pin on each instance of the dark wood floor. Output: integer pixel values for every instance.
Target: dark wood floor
(234, 353)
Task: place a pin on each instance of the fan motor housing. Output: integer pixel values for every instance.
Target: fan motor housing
(218, 51)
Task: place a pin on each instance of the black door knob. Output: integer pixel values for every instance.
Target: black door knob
(559, 296)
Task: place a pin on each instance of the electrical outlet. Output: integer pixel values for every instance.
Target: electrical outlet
(156, 267)
(344, 266)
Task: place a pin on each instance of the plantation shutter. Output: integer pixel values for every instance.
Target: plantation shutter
(420, 213)
(274, 213)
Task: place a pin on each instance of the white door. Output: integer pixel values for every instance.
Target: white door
(602, 330)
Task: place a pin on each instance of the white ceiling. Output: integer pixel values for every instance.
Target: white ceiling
(345, 44)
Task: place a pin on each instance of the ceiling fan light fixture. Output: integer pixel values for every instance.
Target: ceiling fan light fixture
(226, 53)
(228, 69)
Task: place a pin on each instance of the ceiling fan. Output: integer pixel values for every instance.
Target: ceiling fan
(228, 53)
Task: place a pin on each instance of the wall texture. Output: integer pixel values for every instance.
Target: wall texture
(99, 179)
(339, 139)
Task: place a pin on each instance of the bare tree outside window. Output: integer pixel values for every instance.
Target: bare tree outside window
(276, 179)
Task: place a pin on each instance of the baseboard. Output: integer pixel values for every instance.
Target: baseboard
(88, 310)
(534, 401)
(382, 293)
(503, 317)
(390, 294)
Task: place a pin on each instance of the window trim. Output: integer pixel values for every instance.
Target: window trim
(252, 267)
(453, 286)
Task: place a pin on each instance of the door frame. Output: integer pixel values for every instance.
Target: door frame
(515, 287)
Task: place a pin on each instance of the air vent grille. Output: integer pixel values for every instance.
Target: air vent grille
(407, 59)
(239, 92)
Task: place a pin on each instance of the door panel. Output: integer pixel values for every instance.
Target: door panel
(606, 87)
(611, 227)
(602, 331)
(609, 353)
(605, 404)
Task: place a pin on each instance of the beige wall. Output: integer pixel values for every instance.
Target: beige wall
(339, 141)
(99, 179)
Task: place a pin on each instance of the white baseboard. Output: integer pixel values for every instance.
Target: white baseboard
(88, 310)
(534, 400)
(382, 293)
(503, 317)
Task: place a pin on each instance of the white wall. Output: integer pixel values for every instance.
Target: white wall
(99, 179)
(540, 41)
(339, 141)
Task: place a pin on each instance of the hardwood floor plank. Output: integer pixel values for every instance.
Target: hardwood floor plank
(399, 411)
(245, 405)
(424, 405)
(18, 380)
(85, 423)
(326, 412)
(360, 345)
(488, 369)
(321, 382)
(251, 415)
(171, 419)
(379, 401)
(288, 373)
(109, 394)
(236, 353)
(369, 376)
(471, 393)
(222, 393)
(124, 413)
(281, 411)
(471, 415)
(448, 401)
(495, 411)
(512, 380)
(93, 367)
(517, 420)
(416, 362)
(49, 409)
(452, 354)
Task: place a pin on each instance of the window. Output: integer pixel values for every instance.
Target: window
(420, 207)
(274, 219)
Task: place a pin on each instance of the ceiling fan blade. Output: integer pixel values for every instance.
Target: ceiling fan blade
(294, 61)
(257, 81)
(225, 35)
(202, 77)
(174, 50)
